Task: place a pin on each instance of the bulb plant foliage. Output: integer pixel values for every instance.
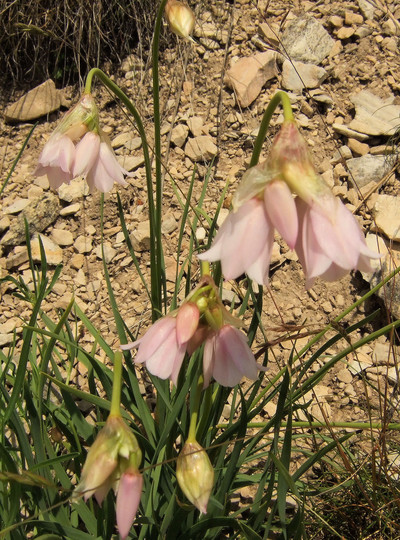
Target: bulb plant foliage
(146, 482)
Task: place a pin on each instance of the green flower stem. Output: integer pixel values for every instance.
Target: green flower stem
(316, 424)
(155, 259)
(157, 151)
(195, 412)
(116, 389)
(205, 268)
(330, 326)
(279, 98)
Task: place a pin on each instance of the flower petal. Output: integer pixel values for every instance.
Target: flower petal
(281, 210)
(128, 499)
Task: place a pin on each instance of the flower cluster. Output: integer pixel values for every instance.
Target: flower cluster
(78, 147)
(315, 223)
(202, 318)
(112, 462)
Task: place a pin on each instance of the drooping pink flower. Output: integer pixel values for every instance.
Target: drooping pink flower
(128, 499)
(163, 347)
(244, 242)
(228, 357)
(78, 147)
(330, 242)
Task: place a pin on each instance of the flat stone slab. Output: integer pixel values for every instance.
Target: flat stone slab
(375, 116)
(306, 40)
(42, 100)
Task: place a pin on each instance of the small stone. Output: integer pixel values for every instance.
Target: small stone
(327, 307)
(15, 259)
(168, 224)
(358, 147)
(341, 154)
(306, 40)
(39, 101)
(131, 163)
(201, 148)
(195, 124)
(140, 237)
(75, 190)
(70, 210)
(201, 234)
(4, 223)
(270, 33)
(387, 216)
(345, 32)
(353, 18)
(39, 214)
(83, 244)
(366, 169)
(347, 132)
(179, 135)
(62, 237)
(17, 206)
(77, 261)
(336, 21)
(367, 8)
(297, 75)
(374, 116)
(109, 252)
(248, 75)
(345, 376)
(53, 252)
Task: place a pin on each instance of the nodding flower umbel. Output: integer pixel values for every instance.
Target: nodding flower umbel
(79, 147)
(112, 462)
(201, 318)
(286, 193)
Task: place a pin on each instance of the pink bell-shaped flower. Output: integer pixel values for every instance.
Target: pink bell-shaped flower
(78, 147)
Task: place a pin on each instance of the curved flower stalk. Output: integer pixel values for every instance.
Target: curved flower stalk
(79, 147)
(285, 193)
(112, 462)
(202, 318)
(180, 18)
(195, 474)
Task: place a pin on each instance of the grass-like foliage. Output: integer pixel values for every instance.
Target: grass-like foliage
(304, 477)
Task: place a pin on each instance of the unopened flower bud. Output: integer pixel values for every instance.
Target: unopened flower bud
(195, 474)
(114, 450)
(180, 18)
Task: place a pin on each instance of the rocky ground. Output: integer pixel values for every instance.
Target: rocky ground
(339, 63)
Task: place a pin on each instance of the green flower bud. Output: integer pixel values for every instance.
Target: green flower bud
(195, 474)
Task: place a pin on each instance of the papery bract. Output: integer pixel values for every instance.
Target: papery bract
(180, 18)
(195, 474)
(113, 451)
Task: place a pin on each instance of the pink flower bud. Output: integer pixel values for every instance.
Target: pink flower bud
(128, 499)
(195, 475)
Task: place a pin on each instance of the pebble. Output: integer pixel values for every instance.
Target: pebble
(201, 148)
(75, 190)
(387, 216)
(179, 135)
(306, 40)
(83, 244)
(62, 237)
(53, 252)
(366, 169)
(109, 252)
(70, 210)
(195, 124)
(16, 207)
